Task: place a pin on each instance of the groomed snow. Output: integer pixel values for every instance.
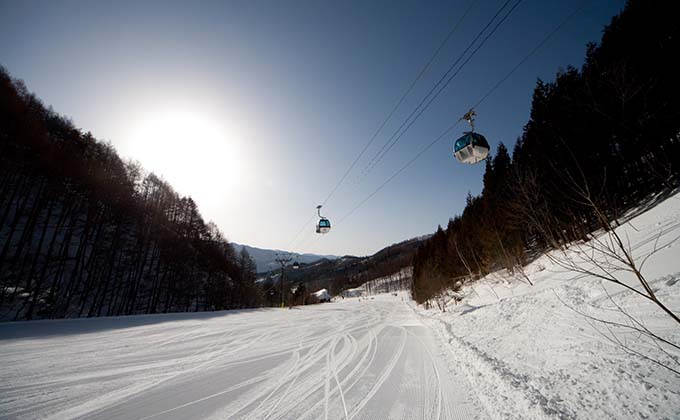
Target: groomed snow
(369, 359)
(542, 351)
(508, 350)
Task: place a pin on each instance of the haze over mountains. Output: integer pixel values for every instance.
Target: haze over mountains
(265, 259)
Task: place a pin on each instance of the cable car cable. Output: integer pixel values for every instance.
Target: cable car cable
(302, 228)
(479, 102)
(483, 98)
(532, 52)
(450, 79)
(389, 116)
(392, 140)
(461, 56)
(401, 100)
(400, 170)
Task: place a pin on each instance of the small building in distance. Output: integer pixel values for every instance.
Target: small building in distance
(322, 295)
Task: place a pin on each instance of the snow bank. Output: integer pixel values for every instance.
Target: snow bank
(356, 292)
(322, 295)
(564, 348)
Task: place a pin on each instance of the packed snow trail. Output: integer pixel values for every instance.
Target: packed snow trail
(562, 347)
(369, 359)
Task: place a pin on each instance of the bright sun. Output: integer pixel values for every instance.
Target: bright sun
(191, 151)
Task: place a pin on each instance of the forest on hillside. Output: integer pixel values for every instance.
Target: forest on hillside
(337, 275)
(83, 233)
(600, 141)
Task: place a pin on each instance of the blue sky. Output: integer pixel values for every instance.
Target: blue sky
(285, 94)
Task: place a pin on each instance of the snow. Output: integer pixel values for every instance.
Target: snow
(356, 292)
(543, 351)
(346, 360)
(507, 350)
(322, 294)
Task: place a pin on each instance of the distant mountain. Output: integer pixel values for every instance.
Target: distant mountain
(348, 271)
(265, 259)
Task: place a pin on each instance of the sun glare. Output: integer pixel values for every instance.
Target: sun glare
(191, 151)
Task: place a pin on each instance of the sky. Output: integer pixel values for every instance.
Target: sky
(256, 109)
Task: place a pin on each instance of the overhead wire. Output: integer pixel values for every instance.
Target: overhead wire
(438, 92)
(482, 99)
(302, 228)
(424, 103)
(478, 103)
(399, 171)
(394, 175)
(532, 52)
(400, 101)
(389, 116)
(452, 77)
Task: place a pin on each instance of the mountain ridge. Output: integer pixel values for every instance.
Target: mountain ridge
(265, 259)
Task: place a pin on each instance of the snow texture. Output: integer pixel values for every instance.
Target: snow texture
(543, 351)
(346, 360)
(507, 350)
(322, 294)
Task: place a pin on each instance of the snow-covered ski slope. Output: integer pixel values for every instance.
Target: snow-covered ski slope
(508, 350)
(563, 348)
(369, 359)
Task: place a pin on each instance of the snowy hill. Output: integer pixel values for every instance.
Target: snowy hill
(506, 350)
(265, 258)
(349, 271)
(573, 345)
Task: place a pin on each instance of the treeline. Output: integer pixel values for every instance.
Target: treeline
(83, 233)
(343, 273)
(600, 141)
(395, 282)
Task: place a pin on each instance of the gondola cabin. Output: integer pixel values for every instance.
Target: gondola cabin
(324, 226)
(471, 148)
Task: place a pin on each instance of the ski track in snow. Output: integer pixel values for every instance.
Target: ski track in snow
(369, 359)
(510, 351)
(528, 353)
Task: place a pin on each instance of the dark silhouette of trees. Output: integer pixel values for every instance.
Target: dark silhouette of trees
(83, 233)
(611, 128)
